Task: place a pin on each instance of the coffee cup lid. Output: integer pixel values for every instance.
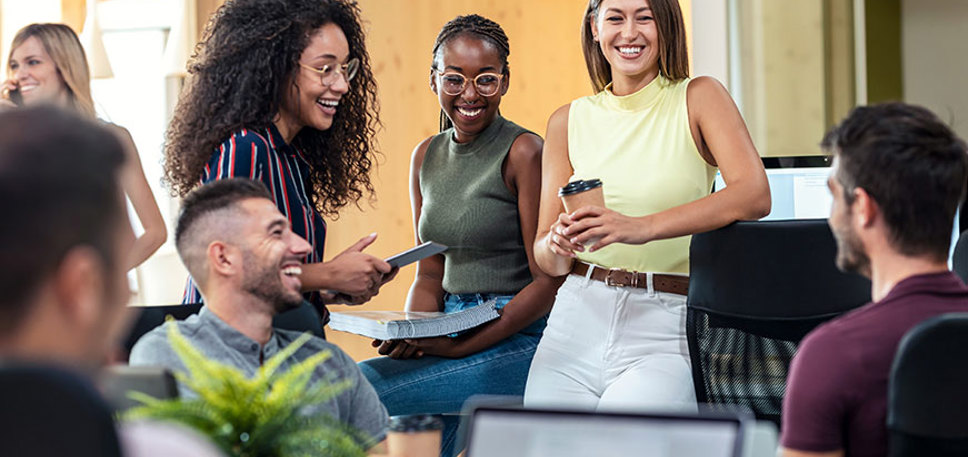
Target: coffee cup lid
(580, 185)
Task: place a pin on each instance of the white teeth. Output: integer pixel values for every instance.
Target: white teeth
(630, 49)
(332, 103)
(292, 271)
(470, 113)
(27, 88)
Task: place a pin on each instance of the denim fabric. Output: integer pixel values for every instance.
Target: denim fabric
(436, 385)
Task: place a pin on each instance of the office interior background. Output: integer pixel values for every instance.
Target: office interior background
(794, 67)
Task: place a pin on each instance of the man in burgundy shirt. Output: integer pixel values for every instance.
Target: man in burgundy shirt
(898, 177)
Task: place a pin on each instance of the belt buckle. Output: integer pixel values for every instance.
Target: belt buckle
(630, 279)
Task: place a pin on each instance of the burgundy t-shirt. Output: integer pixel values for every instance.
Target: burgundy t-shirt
(836, 395)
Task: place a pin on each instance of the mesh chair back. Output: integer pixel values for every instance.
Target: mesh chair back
(47, 411)
(927, 406)
(755, 289)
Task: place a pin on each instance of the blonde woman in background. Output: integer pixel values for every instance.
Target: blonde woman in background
(47, 64)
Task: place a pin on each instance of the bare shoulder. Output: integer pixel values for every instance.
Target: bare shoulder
(705, 86)
(559, 118)
(526, 147)
(417, 157)
(119, 132)
(707, 93)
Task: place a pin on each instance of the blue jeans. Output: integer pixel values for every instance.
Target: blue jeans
(436, 385)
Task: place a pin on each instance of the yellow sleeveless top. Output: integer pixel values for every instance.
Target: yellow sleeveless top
(642, 149)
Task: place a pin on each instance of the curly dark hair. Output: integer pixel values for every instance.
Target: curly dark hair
(245, 63)
(479, 27)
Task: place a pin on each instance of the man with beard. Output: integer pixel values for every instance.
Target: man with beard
(246, 262)
(898, 177)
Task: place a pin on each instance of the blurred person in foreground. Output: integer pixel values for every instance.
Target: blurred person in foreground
(65, 241)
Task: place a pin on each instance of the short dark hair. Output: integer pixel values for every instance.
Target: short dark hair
(59, 189)
(911, 164)
(214, 196)
(201, 203)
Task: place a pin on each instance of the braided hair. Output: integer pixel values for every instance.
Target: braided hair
(479, 27)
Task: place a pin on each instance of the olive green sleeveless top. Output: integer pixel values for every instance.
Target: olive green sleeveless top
(468, 207)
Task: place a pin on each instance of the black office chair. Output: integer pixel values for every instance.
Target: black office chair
(959, 259)
(47, 411)
(302, 319)
(755, 290)
(927, 407)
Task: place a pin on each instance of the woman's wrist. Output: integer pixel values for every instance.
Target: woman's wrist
(645, 228)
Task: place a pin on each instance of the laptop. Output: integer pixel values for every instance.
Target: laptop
(798, 186)
(499, 431)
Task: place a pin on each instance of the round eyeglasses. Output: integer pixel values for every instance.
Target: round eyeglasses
(486, 84)
(329, 74)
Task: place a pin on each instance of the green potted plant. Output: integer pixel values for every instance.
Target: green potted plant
(268, 415)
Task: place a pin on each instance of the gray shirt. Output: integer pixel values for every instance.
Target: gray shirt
(358, 406)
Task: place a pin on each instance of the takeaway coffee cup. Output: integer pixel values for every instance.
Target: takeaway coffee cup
(414, 436)
(577, 194)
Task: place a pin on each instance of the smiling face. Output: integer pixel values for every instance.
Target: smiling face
(309, 103)
(469, 111)
(36, 75)
(272, 255)
(626, 33)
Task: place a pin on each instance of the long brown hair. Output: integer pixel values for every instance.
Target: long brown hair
(244, 64)
(673, 56)
(65, 50)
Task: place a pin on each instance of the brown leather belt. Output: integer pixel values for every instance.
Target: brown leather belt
(622, 278)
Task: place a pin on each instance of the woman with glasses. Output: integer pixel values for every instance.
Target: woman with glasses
(654, 138)
(47, 64)
(474, 188)
(282, 92)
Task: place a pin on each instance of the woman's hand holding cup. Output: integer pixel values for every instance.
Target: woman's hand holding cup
(574, 196)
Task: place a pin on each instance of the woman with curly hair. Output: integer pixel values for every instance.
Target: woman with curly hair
(281, 91)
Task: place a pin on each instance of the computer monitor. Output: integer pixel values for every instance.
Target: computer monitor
(798, 187)
(505, 431)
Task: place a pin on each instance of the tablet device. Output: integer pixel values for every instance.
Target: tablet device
(416, 253)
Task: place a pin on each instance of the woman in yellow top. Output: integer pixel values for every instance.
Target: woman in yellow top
(653, 136)
(47, 64)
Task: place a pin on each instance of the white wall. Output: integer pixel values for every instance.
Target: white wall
(934, 58)
(710, 39)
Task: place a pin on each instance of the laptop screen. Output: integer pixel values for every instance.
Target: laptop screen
(503, 432)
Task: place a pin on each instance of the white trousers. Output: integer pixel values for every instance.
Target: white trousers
(612, 348)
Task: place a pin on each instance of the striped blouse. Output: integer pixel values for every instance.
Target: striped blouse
(263, 155)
